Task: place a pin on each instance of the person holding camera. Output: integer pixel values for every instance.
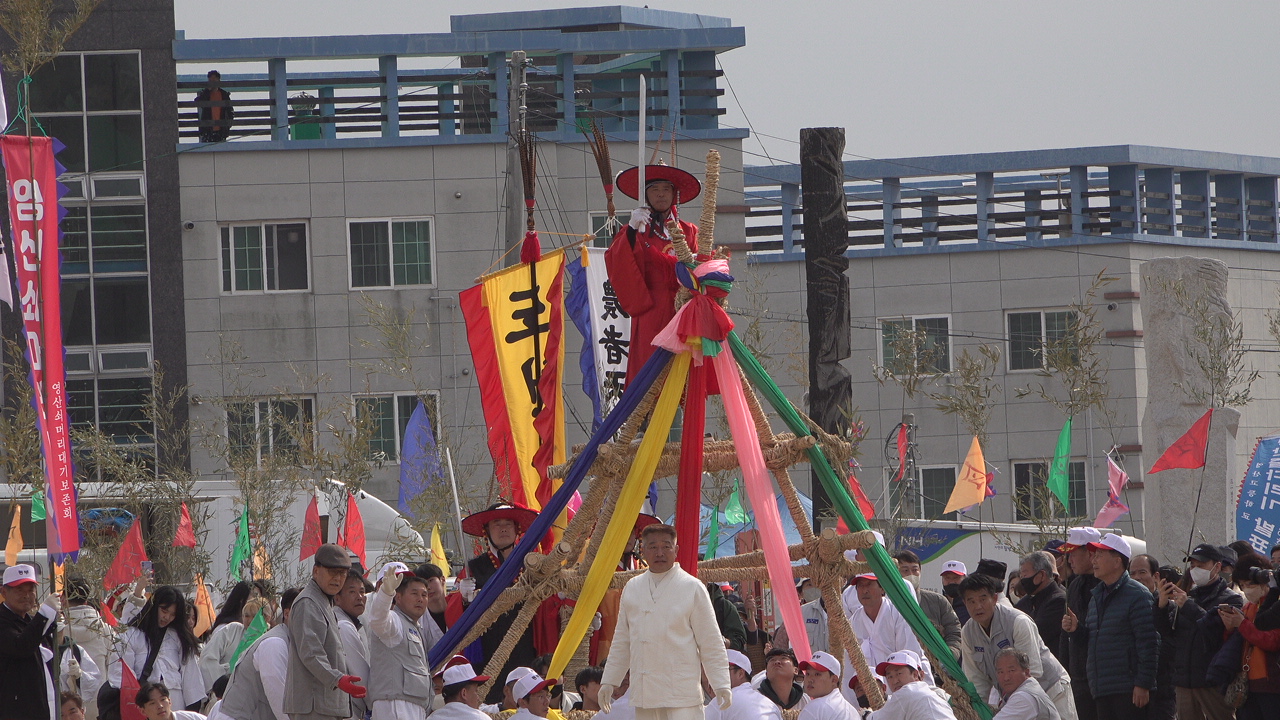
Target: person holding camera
(1193, 631)
(1261, 654)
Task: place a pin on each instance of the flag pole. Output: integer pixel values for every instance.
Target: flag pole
(640, 139)
(457, 508)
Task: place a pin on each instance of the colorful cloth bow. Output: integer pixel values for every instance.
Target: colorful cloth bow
(700, 325)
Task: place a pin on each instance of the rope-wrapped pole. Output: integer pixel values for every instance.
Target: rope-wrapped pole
(707, 223)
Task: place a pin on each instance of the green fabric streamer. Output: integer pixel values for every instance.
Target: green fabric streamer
(251, 633)
(37, 506)
(885, 568)
(1059, 482)
(733, 511)
(713, 535)
(242, 549)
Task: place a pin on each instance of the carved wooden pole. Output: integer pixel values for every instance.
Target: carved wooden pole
(826, 238)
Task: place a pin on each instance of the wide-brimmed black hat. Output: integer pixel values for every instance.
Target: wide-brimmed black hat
(687, 186)
(475, 523)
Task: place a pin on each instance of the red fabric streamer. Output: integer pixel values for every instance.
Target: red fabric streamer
(703, 317)
(1187, 452)
(864, 504)
(689, 481)
(186, 533)
(902, 452)
(127, 566)
(311, 540)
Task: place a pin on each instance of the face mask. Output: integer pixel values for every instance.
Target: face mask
(1255, 594)
(1029, 585)
(913, 579)
(811, 594)
(1200, 576)
(951, 591)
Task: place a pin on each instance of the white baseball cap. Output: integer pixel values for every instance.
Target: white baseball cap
(902, 658)
(519, 673)
(739, 659)
(822, 661)
(530, 684)
(1112, 541)
(398, 568)
(954, 566)
(459, 670)
(1078, 537)
(19, 575)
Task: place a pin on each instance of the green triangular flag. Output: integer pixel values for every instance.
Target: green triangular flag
(733, 511)
(713, 534)
(1059, 484)
(251, 633)
(242, 550)
(37, 506)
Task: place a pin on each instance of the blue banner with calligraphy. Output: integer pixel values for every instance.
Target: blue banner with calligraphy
(1258, 508)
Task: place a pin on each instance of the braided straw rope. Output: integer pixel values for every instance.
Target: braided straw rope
(960, 701)
(710, 190)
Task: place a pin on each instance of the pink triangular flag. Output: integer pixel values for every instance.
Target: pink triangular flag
(1109, 512)
(1116, 477)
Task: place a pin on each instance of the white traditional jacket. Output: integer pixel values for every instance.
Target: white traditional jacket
(667, 637)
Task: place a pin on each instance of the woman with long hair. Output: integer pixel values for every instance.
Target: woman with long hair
(233, 606)
(1261, 648)
(159, 647)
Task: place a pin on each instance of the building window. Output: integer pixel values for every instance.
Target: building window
(391, 253)
(390, 416)
(601, 230)
(1031, 333)
(929, 500)
(271, 257)
(93, 104)
(116, 406)
(932, 345)
(274, 428)
(1031, 494)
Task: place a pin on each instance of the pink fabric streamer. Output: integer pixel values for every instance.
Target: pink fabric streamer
(760, 490)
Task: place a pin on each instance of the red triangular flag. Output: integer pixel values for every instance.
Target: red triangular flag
(186, 534)
(1187, 452)
(310, 530)
(109, 617)
(127, 566)
(902, 451)
(353, 535)
(864, 504)
(129, 687)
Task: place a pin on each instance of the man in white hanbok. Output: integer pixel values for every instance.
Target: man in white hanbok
(822, 684)
(910, 698)
(461, 691)
(748, 703)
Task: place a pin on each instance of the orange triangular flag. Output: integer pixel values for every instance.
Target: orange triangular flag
(204, 608)
(13, 547)
(186, 534)
(971, 486)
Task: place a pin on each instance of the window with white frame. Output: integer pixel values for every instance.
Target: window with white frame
(601, 230)
(929, 499)
(268, 257)
(1031, 495)
(1033, 332)
(932, 351)
(270, 429)
(390, 414)
(391, 253)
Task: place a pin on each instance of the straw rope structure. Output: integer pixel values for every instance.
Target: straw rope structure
(821, 557)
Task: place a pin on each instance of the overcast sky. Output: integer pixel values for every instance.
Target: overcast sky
(924, 78)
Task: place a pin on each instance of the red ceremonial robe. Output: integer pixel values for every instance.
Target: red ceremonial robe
(642, 270)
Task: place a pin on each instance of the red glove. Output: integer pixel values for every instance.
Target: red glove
(347, 684)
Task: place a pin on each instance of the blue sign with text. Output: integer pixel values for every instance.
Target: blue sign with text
(1258, 509)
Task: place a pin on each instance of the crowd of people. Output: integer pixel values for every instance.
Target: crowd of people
(1082, 629)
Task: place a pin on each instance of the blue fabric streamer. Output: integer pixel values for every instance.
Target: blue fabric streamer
(578, 304)
(419, 458)
(507, 571)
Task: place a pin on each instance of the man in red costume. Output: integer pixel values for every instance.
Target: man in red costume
(642, 265)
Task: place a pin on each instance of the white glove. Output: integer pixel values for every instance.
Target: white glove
(639, 219)
(467, 588)
(73, 669)
(595, 622)
(54, 603)
(390, 582)
(725, 696)
(605, 698)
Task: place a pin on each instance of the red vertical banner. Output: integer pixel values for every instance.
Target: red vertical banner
(31, 176)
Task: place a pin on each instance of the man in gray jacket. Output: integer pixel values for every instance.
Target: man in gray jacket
(256, 689)
(317, 686)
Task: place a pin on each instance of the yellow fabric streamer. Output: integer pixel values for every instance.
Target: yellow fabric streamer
(623, 522)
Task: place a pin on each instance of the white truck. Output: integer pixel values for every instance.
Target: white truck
(937, 541)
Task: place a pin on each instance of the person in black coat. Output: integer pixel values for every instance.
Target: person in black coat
(26, 648)
(1043, 599)
(1075, 648)
(1190, 624)
(216, 112)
